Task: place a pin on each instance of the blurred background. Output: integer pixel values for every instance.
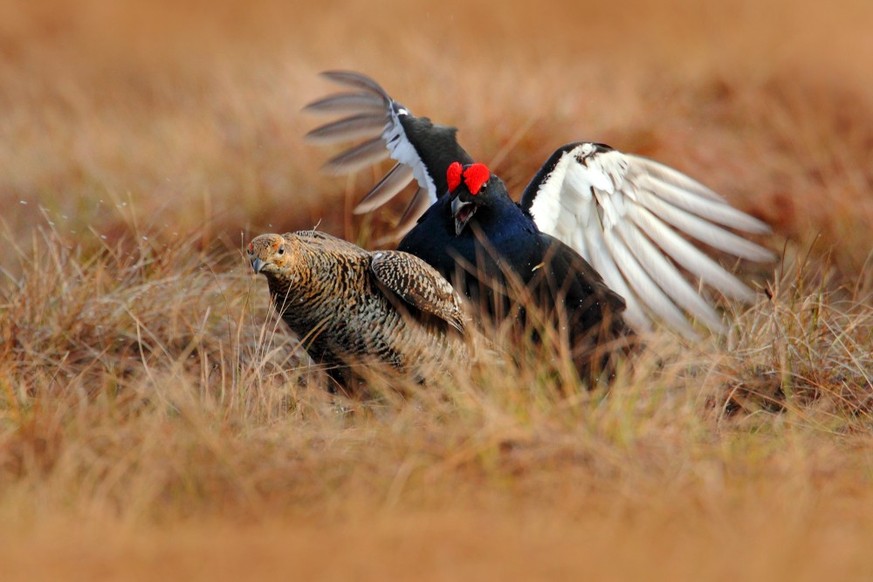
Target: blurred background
(151, 387)
(158, 118)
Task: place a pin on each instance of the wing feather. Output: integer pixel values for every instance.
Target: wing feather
(416, 207)
(640, 166)
(643, 285)
(366, 125)
(393, 182)
(625, 214)
(374, 116)
(692, 258)
(703, 230)
(366, 154)
(419, 285)
(355, 81)
(712, 210)
(604, 263)
(347, 103)
(667, 276)
(419, 203)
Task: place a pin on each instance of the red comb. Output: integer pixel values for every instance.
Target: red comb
(475, 177)
(453, 176)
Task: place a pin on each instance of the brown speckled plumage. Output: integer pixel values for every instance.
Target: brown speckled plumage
(353, 307)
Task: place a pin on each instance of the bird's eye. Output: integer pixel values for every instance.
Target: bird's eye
(281, 251)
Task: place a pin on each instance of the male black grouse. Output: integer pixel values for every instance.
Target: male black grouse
(628, 216)
(482, 241)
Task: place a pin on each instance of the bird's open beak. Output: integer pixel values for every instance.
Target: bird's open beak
(257, 265)
(463, 212)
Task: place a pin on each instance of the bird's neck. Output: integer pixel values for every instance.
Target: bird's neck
(283, 288)
(500, 217)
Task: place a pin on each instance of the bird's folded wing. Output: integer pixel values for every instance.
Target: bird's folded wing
(422, 150)
(631, 218)
(418, 284)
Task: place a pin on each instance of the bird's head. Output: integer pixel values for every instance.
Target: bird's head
(270, 253)
(470, 188)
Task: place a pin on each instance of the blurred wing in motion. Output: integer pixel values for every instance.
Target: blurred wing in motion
(422, 150)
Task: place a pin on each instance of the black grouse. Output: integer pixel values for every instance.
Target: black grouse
(482, 241)
(351, 307)
(630, 217)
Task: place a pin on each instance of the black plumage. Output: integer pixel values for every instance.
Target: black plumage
(477, 237)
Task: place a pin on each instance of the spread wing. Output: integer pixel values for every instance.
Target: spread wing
(423, 151)
(631, 218)
(418, 284)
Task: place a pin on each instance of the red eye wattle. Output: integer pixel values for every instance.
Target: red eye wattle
(475, 177)
(453, 176)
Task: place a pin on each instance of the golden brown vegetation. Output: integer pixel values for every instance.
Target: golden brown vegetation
(156, 420)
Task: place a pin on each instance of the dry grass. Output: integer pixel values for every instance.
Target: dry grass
(155, 420)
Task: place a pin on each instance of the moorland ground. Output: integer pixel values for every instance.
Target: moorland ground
(156, 420)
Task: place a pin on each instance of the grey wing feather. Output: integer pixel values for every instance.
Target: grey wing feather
(348, 103)
(366, 154)
(352, 127)
(419, 285)
(375, 117)
(354, 80)
(419, 203)
(393, 182)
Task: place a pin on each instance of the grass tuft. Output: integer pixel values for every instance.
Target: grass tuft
(152, 405)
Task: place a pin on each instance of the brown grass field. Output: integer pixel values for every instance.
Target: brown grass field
(157, 422)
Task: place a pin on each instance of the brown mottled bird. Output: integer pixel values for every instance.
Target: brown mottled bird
(353, 307)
